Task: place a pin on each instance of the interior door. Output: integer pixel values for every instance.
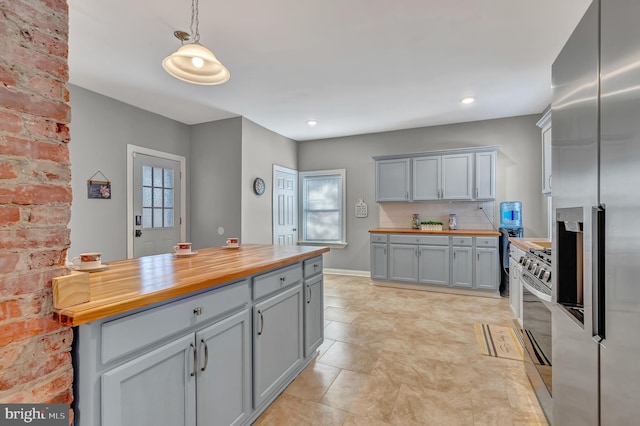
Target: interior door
(156, 204)
(285, 206)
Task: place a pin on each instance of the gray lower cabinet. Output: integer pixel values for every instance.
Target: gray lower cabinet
(379, 261)
(403, 262)
(155, 389)
(433, 265)
(223, 371)
(437, 260)
(313, 314)
(486, 268)
(462, 267)
(277, 341)
(161, 387)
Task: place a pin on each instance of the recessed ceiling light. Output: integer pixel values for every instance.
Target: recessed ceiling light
(312, 123)
(467, 100)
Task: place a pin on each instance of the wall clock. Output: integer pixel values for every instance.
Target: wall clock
(259, 186)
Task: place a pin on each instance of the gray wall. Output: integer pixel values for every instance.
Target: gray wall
(101, 128)
(215, 173)
(261, 149)
(518, 171)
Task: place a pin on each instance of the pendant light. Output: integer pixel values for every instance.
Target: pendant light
(193, 62)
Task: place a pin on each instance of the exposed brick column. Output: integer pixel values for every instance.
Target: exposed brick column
(35, 200)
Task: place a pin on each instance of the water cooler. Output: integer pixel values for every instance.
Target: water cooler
(510, 226)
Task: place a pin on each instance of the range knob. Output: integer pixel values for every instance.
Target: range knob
(546, 276)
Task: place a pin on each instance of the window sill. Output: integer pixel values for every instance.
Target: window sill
(330, 245)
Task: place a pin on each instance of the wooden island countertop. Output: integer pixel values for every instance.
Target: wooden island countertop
(480, 232)
(135, 283)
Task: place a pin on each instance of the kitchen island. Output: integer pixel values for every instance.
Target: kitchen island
(463, 260)
(207, 339)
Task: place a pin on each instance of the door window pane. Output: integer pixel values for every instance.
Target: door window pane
(157, 197)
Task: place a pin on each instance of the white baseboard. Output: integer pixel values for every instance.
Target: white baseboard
(348, 272)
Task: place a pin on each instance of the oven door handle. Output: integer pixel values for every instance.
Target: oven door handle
(598, 273)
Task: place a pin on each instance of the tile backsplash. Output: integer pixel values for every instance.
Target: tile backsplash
(470, 216)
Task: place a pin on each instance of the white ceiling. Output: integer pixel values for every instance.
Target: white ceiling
(356, 66)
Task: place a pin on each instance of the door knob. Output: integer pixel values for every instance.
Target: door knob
(138, 233)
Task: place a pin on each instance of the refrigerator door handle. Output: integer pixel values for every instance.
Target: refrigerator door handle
(598, 273)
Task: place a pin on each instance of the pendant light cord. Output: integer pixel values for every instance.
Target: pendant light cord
(194, 19)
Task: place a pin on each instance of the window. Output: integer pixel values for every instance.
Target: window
(157, 197)
(323, 200)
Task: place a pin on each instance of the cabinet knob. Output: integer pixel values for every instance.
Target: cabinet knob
(197, 311)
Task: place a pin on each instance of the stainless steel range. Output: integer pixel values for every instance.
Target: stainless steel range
(536, 323)
(536, 272)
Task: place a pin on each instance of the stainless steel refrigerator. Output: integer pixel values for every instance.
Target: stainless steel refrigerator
(596, 203)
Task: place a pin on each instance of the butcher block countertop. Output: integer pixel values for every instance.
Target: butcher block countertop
(531, 243)
(480, 232)
(136, 283)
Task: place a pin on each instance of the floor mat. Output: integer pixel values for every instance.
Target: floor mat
(499, 341)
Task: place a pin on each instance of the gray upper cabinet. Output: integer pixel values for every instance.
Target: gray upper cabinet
(485, 188)
(453, 175)
(457, 176)
(392, 180)
(427, 178)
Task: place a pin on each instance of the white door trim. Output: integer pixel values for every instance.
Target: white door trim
(131, 151)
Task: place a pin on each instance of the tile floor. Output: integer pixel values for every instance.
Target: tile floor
(406, 357)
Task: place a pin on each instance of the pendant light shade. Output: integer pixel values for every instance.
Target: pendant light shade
(193, 62)
(196, 64)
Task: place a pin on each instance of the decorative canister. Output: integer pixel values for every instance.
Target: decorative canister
(453, 221)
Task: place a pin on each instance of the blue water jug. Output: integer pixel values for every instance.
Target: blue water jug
(511, 214)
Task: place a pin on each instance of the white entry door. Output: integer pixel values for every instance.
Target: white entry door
(156, 204)
(285, 206)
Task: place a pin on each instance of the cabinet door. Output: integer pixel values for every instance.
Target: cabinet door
(224, 371)
(379, 261)
(392, 180)
(486, 269)
(277, 341)
(434, 265)
(155, 389)
(427, 173)
(457, 176)
(462, 267)
(546, 161)
(403, 262)
(485, 176)
(313, 315)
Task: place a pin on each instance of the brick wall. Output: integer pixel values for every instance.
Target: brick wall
(35, 200)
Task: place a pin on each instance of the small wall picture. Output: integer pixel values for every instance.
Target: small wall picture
(99, 189)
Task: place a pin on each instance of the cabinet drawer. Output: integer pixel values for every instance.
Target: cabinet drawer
(379, 238)
(133, 332)
(312, 266)
(462, 241)
(431, 240)
(273, 281)
(486, 241)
